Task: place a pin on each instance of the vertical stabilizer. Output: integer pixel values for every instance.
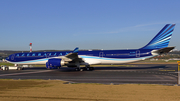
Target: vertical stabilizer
(161, 40)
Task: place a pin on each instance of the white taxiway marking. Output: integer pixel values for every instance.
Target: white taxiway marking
(26, 73)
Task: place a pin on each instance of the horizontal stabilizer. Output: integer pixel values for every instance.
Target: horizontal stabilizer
(163, 50)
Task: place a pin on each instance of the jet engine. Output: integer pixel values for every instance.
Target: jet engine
(54, 63)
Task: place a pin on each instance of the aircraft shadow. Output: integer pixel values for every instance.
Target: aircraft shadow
(117, 68)
(129, 68)
(65, 69)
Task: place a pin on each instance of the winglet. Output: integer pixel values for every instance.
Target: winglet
(76, 50)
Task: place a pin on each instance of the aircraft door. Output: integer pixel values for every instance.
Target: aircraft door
(101, 54)
(47, 55)
(138, 53)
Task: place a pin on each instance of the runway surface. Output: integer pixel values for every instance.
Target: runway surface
(140, 73)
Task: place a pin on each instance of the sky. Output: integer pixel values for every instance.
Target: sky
(87, 24)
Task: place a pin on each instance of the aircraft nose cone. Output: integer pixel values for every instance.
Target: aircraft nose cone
(7, 58)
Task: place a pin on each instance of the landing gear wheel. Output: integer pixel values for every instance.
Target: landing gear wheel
(81, 69)
(88, 67)
(19, 68)
(77, 69)
(91, 68)
(6, 68)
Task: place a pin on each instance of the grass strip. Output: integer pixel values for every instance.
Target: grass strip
(55, 90)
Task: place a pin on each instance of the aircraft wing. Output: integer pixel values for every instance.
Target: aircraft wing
(71, 56)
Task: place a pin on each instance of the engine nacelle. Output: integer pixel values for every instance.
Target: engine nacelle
(54, 63)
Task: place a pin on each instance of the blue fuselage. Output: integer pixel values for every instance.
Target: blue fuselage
(107, 55)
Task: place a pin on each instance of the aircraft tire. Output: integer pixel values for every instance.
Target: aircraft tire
(82, 69)
(19, 68)
(91, 68)
(6, 68)
(88, 68)
(77, 69)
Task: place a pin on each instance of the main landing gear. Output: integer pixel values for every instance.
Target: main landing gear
(88, 68)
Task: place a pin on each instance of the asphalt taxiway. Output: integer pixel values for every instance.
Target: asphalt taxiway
(139, 73)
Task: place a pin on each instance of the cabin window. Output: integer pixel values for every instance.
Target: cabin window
(22, 55)
(49, 54)
(39, 54)
(45, 54)
(60, 54)
(33, 54)
(17, 55)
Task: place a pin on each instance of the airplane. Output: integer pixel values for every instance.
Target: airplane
(54, 60)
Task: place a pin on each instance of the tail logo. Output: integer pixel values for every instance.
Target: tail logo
(161, 40)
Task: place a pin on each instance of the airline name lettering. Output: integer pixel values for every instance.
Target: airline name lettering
(40, 54)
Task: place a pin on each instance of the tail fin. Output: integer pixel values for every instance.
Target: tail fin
(76, 50)
(161, 40)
